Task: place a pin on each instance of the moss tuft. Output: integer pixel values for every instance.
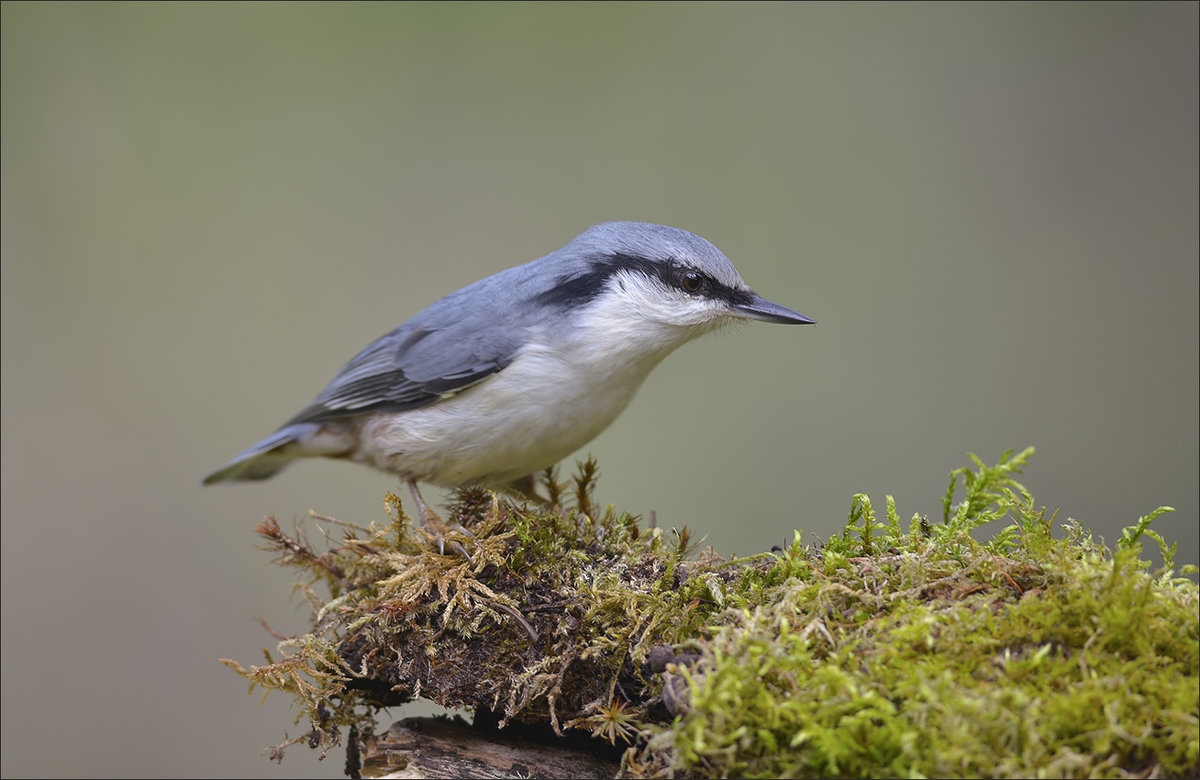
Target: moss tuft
(918, 651)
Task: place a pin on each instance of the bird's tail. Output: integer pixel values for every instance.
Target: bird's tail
(331, 439)
(261, 461)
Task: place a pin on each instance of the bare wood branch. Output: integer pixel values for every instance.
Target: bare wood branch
(440, 748)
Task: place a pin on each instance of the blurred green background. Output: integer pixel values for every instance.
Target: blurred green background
(990, 210)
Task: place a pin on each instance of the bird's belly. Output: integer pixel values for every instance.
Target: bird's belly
(531, 415)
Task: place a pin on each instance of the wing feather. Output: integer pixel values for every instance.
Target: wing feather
(411, 367)
(457, 342)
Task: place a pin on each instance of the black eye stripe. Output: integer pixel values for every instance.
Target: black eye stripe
(574, 291)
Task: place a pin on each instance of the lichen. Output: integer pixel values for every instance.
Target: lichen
(931, 650)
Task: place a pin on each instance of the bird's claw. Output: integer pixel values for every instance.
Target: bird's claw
(434, 526)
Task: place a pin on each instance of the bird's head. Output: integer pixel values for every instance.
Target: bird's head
(626, 273)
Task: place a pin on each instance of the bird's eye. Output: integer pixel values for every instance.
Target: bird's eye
(691, 282)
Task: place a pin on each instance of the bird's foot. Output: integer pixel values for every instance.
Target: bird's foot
(435, 527)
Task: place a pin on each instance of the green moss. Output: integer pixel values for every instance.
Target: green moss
(920, 651)
(927, 653)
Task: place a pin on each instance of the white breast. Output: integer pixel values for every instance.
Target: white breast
(557, 395)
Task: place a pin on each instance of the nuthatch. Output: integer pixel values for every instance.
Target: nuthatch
(513, 373)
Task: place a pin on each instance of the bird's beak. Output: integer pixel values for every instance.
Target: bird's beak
(760, 308)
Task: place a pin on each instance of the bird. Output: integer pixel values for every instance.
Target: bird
(511, 374)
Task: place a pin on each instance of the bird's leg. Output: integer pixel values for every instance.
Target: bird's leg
(526, 488)
(433, 523)
(427, 514)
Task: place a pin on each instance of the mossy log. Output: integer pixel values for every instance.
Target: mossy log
(884, 651)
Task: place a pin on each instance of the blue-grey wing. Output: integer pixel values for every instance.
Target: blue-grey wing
(413, 366)
(458, 341)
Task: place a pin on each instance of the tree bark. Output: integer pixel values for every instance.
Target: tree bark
(441, 748)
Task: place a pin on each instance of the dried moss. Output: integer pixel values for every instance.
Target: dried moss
(918, 651)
